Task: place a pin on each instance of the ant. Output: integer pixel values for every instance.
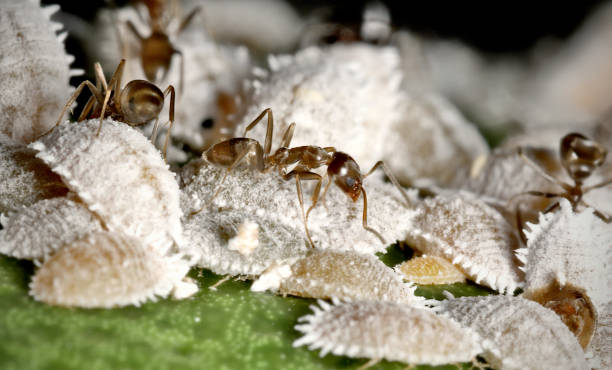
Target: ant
(580, 156)
(137, 103)
(342, 169)
(156, 49)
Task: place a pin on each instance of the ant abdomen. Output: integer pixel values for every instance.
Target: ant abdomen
(141, 101)
(225, 153)
(156, 54)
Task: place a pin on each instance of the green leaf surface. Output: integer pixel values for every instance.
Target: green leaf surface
(230, 328)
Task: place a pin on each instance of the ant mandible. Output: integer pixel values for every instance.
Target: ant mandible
(342, 169)
(137, 103)
(157, 50)
(580, 157)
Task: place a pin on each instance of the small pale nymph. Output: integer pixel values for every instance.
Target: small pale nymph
(120, 176)
(386, 330)
(343, 275)
(430, 270)
(470, 234)
(109, 270)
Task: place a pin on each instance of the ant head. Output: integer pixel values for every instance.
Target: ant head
(347, 174)
(580, 156)
(141, 101)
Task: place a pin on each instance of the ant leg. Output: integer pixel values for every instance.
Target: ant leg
(185, 22)
(298, 184)
(599, 185)
(86, 109)
(169, 90)
(268, 142)
(534, 193)
(551, 207)
(113, 84)
(288, 136)
(73, 98)
(540, 171)
(134, 30)
(100, 79)
(605, 218)
(519, 225)
(315, 195)
(365, 217)
(392, 178)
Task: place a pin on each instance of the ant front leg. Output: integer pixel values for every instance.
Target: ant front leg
(365, 217)
(73, 98)
(540, 171)
(169, 90)
(305, 176)
(114, 84)
(268, 142)
(391, 177)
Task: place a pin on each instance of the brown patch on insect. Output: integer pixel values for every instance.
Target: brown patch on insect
(430, 270)
(342, 169)
(573, 306)
(25, 179)
(137, 103)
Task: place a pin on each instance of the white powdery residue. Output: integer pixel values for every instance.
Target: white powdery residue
(599, 352)
(24, 179)
(346, 96)
(573, 247)
(247, 238)
(386, 330)
(34, 70)
(37, 231)
(470, 234)
(120, 176)
(335, 223)
(108, 270)
(517, 333)
(345, 275)
(432, 140)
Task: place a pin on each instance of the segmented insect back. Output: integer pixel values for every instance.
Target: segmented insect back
(34, 69)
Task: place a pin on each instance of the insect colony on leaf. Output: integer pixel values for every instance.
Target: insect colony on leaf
(341, 168)
(472, 222)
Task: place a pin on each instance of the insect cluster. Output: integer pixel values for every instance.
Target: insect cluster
(271, 176)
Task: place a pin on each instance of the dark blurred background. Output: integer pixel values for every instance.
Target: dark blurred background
(491, 26)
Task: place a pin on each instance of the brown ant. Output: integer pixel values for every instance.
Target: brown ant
(137, 103)
(156, 50)
(341, 168)
(580, 156)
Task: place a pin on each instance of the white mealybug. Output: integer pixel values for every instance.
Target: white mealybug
(34, 69)
(470, 234)
(386, 330)
(343, 275)
(567, 267)
(109, 270)
(42, 228)
(272, 203)
(24, 179)
(120, 176)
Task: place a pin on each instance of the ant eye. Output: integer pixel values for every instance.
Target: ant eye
(207, 123)
(350, 182)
